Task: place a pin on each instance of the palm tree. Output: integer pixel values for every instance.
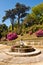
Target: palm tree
(9, 15)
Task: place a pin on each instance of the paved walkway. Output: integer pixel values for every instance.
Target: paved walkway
(11, 60)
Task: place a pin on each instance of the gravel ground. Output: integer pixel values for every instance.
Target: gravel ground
(11, 60)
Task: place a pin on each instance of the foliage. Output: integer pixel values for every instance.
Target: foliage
(38, 11)
(9, 14)
(31, 23)
(10, 28)
(3, 30)
(35, 17)
(21, 10)
(30, 19)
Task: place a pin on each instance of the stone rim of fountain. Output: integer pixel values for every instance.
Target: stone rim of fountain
(18, 54)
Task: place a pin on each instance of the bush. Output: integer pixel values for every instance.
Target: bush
(12, 36)
(4, 33)
(3, 30)
(39, 33)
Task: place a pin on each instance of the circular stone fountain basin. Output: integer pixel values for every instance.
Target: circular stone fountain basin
(23, 51)
(24, 54)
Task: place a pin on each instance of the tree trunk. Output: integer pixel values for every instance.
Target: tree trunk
(18, 26)
(12, 22)
(18, 21)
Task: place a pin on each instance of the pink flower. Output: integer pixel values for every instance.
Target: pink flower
(39, 33)
(12, 36)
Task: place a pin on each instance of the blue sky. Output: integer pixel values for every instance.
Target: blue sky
(9, 4)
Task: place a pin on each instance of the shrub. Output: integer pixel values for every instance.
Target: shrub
(12, 36)
(4, 33)
(3, 30)
(39, 33)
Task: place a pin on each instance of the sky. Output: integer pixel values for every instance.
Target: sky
(9, 4)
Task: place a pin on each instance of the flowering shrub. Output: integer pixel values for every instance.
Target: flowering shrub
(12, 36)
(39, 33)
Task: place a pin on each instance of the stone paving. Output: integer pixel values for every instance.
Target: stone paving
(11, 60)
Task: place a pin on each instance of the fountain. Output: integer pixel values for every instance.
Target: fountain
(23, 50)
